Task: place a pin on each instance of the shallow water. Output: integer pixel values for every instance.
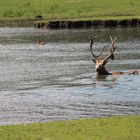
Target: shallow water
(57, 81)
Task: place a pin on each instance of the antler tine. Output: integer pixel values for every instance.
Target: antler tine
(101, 52)
(91, 44)
(112, 49)
(113, 41)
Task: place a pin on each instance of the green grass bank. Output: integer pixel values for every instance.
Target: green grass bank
(112, 128)
(15, 12)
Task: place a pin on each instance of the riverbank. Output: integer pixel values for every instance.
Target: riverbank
(69, 14)
(114, 128)
(68, 24)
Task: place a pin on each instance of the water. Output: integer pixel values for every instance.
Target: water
(57, 81)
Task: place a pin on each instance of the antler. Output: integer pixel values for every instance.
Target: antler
(91, 40)
(111, 51)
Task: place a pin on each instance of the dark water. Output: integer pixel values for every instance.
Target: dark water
(57, 81)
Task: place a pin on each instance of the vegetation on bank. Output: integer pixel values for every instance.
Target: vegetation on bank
(112, 128)
(70, 9)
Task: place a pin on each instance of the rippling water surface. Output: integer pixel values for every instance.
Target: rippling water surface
(57, 81)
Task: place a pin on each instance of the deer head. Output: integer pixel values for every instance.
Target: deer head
(100, 63)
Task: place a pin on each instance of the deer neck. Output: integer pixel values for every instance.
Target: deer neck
(102, 71)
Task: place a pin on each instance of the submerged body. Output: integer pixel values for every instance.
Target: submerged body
(136, 72)
(101, 70)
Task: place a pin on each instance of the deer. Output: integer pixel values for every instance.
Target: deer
(40, 42)
(100, 63)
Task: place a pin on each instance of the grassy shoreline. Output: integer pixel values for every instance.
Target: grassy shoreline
(110, 128)
(13, 12)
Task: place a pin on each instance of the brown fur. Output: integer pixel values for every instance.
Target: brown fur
(101, 70)
(40, 42)
(135, 72)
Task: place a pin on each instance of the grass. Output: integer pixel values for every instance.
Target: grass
(70, 9)
(112, 128)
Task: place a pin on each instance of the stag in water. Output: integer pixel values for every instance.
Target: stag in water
(100, 63)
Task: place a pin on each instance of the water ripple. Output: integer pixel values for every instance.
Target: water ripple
(57, 81)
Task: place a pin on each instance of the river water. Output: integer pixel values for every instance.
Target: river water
(57, 81)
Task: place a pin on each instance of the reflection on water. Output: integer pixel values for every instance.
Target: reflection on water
(57, 81)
